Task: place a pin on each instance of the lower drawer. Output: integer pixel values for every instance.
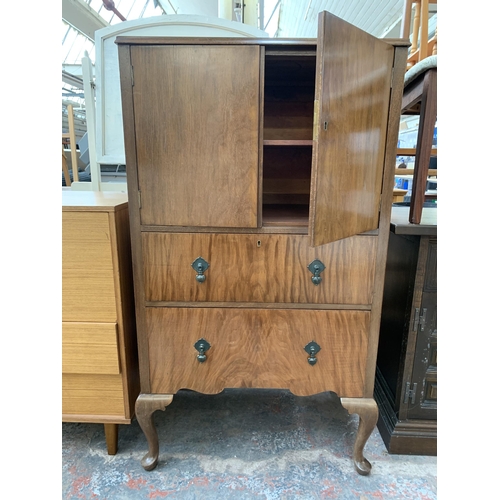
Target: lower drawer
(259, 348)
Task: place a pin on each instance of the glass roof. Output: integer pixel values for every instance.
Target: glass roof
(75, 43)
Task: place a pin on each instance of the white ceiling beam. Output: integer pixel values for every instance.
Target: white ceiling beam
(71, 79)
(82, 17)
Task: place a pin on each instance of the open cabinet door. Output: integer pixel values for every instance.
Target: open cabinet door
(353, 84)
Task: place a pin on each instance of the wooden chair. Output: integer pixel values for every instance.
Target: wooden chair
(420, 97)
(421, 46)
(72, 144)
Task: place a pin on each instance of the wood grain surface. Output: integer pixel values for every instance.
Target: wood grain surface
(92, 394)
(88, 286)
(353, 83)
(90, 348)
(257, 268)
(197, 134)
(257, 348)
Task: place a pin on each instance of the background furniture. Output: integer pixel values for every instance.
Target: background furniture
(421, 45)
(70, 138)
(406, 381)
(260, 176)
(100, 380)
(420, 98)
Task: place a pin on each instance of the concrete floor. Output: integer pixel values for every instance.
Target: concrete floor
(242, 444)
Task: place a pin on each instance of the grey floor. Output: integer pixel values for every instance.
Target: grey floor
(242, 444)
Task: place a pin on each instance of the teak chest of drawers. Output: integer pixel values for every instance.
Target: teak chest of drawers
(260, 176)
(100, 379)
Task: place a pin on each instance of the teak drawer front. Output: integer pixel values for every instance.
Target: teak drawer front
(92, 394)
(257, 268)
(88, 295)
(259, 348)
(90, 348)
(86, 240)
(197, 134)
(88, 285)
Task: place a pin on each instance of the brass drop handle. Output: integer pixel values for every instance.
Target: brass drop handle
(202, 346)
(316, 267)
(200, 265)
(312, 349)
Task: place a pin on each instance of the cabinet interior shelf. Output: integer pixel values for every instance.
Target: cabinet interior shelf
(276, 215)
(287, 142)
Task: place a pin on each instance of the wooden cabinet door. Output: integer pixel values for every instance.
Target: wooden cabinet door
(353, 84)
(196, 111)
(422, 403)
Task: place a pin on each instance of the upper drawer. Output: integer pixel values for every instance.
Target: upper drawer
(257, 268)
(88, 295)
(86, 241)
(90, 348)
(88, 283)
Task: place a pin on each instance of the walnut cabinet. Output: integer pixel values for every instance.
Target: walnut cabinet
(260, 175)
(100, 374)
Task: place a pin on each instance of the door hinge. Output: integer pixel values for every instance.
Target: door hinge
(410, 394)
(419, 319)
(139, 199)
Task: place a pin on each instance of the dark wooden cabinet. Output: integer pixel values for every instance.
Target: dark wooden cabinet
(260, 180)
(406, 379)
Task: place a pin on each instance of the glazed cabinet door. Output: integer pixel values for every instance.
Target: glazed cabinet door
(422, 401)
(353, 85)
(196, 112)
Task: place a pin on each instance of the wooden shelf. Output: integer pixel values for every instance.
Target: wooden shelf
(285, 215)
(286, 142)
(412, 152)
(400, 172)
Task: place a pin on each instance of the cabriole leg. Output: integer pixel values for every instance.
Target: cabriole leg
(367, 410)
(145, 406)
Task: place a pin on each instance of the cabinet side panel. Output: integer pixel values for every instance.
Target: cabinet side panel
(126, 83)
(400, 55)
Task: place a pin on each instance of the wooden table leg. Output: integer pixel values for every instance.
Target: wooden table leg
(145, 406)
(367, 410)
(111, 433)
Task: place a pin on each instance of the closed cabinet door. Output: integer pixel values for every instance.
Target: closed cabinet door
(196, 112)
(207, 350)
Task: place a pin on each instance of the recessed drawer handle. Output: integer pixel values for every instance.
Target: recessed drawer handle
(312, 349)
(200, 265)
(202, 346)
(316, 267)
